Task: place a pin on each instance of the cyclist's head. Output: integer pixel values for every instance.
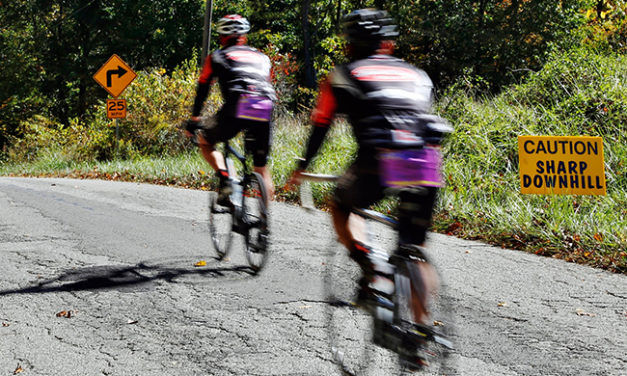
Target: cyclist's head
(365, 29)
(232, 28)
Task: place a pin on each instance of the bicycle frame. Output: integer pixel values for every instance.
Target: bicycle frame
(238, 183)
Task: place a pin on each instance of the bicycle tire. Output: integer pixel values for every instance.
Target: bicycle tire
(255, 214)
(220, 226)
(433, 342)
(350, 329)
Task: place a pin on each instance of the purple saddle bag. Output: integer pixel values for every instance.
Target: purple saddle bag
(411, 167)
(254, 107)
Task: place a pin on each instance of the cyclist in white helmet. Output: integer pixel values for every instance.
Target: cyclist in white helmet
(244, 77)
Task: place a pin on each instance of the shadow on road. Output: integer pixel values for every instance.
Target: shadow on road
(123, 278)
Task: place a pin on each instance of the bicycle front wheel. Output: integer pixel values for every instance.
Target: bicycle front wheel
(255, 213)
(220, 226)
(350, 329)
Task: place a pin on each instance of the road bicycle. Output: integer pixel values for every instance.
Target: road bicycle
(384, 341)
(246, 215)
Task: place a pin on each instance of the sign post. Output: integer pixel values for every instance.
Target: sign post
(114, 76)
(206, 35)
(561, 165)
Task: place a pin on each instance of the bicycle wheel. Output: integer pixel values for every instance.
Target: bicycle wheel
(220, 226)
(350, 329)
(431, 343)
(255, 215)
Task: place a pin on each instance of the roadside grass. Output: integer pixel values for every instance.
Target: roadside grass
(577, 93)
(480, 204)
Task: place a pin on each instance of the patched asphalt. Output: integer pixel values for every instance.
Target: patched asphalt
(99, 278)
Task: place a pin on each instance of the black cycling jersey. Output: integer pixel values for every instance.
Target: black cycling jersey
(240, 69)
(384, 98)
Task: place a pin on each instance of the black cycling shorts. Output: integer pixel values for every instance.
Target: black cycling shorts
(257, 135)
(360, 187)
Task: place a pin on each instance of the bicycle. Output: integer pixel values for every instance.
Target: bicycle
(387, 337)
(246, 215)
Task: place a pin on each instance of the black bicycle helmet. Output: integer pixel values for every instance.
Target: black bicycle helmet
(367, 26)
(233, 24)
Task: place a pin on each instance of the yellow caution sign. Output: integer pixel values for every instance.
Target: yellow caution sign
(561, 165)
(116, 108)
(115, 75)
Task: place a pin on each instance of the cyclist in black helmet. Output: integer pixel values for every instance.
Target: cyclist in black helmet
(388, 103)
(244, 76)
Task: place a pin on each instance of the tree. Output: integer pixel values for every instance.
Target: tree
(497, 40)
(55, 46)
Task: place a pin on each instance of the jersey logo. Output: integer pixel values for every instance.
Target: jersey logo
(402, 136)
(384, 73)
(245, 56)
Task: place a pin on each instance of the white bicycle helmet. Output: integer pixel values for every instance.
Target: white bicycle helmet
(233, 24)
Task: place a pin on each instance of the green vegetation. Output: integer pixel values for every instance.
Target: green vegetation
(503, 68)
(578, 93)
(51, 49)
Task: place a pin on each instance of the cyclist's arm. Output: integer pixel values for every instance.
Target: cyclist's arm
(321, 117)
(202, 91)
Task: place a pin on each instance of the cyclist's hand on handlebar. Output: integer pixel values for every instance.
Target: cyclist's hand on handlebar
(296, 178)
(191, 125)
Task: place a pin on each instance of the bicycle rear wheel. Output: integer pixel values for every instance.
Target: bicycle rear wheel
(350, 329)
(220, 226)
(431, 343)
(255, 214)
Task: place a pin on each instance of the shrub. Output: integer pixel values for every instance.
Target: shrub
(577, 93)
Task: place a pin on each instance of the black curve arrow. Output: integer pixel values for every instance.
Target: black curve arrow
(120, 72)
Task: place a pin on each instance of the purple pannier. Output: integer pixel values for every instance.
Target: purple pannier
(253, 107)
(407, 168)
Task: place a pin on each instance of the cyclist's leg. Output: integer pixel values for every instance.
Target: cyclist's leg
(211, 154)
(257, 142)
(224, 128)
(358, 187)
(349, 227)
(219, 130)
(415, 211)
(264, 171)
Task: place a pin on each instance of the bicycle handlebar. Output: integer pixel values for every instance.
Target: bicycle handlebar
(319, 178)
(304, 193)
(306, 198)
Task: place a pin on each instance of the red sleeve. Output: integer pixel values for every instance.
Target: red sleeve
(325, 109)
(205, 75)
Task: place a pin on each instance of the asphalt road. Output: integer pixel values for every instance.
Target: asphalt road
(119, 260)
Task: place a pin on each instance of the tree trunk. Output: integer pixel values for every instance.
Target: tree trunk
(310, 74)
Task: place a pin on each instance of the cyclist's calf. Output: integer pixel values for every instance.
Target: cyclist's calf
(415, 210)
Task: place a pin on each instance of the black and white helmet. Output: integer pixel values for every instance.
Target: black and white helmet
(233, 24)
(365, 26)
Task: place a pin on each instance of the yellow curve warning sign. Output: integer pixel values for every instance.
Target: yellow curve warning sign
(561, 165)
(115, 75)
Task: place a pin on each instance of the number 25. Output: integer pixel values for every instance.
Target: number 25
(117, 106)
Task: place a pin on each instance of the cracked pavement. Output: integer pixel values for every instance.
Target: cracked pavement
(119, 259)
